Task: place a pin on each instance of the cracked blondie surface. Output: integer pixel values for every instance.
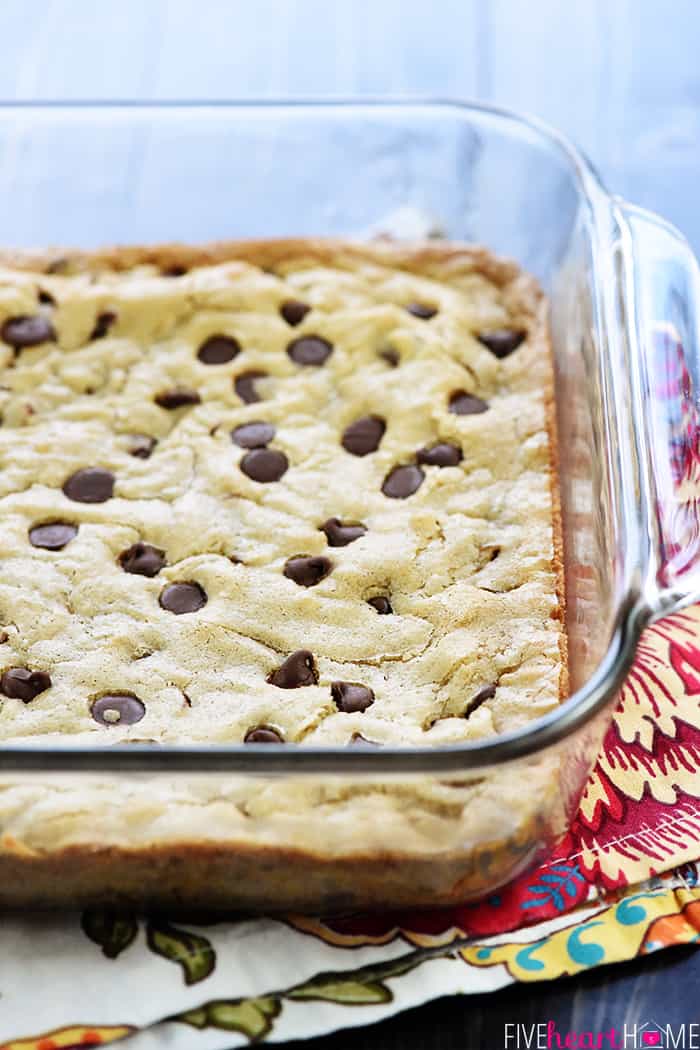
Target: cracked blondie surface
(292, 491)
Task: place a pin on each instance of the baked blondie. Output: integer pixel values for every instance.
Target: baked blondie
(299, 492)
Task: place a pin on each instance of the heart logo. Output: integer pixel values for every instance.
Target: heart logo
(651, 1038)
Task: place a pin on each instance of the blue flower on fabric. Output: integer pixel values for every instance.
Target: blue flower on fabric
(557, 886)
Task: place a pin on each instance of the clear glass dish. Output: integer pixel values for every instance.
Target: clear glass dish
(623, 287)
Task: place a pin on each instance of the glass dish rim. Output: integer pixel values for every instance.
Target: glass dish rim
(632, 613)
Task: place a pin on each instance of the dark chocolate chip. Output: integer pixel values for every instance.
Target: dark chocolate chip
(4, 637)
(440, 455)
(53, 535)
(262, 735)
(58, 265)
(403, 481)
(391, 356)
(90, 485)
(364, 435)
(27, 331)
(218, 349)
(487, 692)
(307, 570)
(182, 598)
(22, 684)
(502, 341)
(340, 533)
(422, 310)
(297, 670)
(103, 323)
(310, 350)
(244, 385)
(177, 398)
(45, 298)
(173, 271)
(118, 709)
(381, 604)
(256, 434)
(142, 445)
(358, 740)
(142, 559)
(264, 464)
(464, 404)
(294, 311)
(351, 697)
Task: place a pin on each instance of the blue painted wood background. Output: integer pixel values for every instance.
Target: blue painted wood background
(621, 77)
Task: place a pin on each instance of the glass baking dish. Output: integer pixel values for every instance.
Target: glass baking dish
(315, 829)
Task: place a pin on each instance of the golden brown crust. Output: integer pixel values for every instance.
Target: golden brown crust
(262, 878)
(255, 876)
(422, 257)
(558, 563)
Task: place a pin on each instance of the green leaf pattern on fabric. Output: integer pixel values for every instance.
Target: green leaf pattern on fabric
(191, 951)
(254, 1018)
(251, 1017)
(112, 931)
(346, 991)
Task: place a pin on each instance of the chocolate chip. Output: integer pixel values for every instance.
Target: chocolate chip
(173, 271)
(307, 570)
(22, 684)
(440, 455)
(177, 398)
(502, 341)
(363, 436)
(141, 446)
(262, 735)
(264, 464)
(27, 331)
(53, 535)
(118, 709)
(310, 350)
(391, 356)
(294, 311)
(244, 385)
(4, 637)
(256, 434)
(487, 692)
(297, 670)
(182, 598)
(422, 310)
(464, 404)
(103, 323)
(381, 604)
(90, 485)
(358, 740)
(340, 533)
(403, 481)
(142, 559)
(45, 298)
(351, 697)
(218, 349)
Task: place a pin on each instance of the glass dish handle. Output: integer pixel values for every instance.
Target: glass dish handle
(662, 298)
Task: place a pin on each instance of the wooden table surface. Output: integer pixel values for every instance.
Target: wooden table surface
(621, 77)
